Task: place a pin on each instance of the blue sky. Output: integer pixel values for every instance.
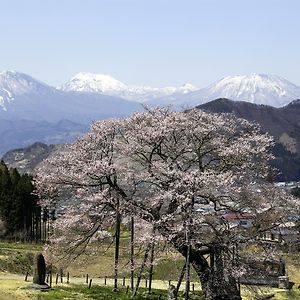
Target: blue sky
(153, 42)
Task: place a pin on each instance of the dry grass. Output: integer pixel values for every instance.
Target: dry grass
(97, 264)
(10, 287)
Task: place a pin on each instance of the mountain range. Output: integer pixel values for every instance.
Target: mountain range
(31, 110)
(282, 123)
(107, 85)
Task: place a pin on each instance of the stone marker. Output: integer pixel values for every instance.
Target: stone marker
(283, 282)
(39, 270)
(171, 292)
(39, 275)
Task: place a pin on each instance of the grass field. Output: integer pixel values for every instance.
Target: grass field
(16, 260)
(14, 287)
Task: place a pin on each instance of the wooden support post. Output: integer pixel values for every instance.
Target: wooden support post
(123, 281)
(50, 283)
(180, 279)
(26, 276)
(90, 284)
(132, 254)
(187, 261)
(87, 278)
(146, 283)
(141, 270)
(151, 267)
(68, 277)
(61, 276)
(56, 281)
(105, 280)
(193, 287)
(169, 282)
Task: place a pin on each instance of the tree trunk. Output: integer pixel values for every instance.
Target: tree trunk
(217, 284)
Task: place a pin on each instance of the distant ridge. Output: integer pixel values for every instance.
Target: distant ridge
(27, 159)
(282, 123)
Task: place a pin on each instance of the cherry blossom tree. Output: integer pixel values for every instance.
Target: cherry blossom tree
(181, 172)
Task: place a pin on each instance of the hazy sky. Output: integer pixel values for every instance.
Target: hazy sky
(153, 42)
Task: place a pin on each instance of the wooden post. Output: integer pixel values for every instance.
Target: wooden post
(56, 281)
(127, 289)
(193, 287)
(105, 280)
(47, 278)
(141, 270)
(169, 282)
(146, 283)
(180, 279)
(26, 276)
(187, 263)
(90, 284)
(50, 283)
(132, 254)
(117, 247)
(123, 281)
(68, 277)
(151, 268)
(87, 278)
(61, 276)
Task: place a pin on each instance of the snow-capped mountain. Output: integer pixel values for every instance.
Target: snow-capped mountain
(107, 85)
(32, 111)
(14, 84)
(264, 89)
(23, 97)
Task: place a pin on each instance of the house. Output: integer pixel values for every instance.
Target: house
(239, 219)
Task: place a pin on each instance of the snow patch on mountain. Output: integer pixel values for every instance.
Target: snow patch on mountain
(107, 85)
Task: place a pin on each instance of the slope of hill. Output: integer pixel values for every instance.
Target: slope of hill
(27, 159)
(21, 133)
(282, 123)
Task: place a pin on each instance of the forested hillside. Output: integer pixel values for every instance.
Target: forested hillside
(20, 214)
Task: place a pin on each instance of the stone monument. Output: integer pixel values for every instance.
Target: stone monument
(39, 274)
(39, 270)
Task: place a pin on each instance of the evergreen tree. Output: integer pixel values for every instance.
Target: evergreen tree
(18, 206)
